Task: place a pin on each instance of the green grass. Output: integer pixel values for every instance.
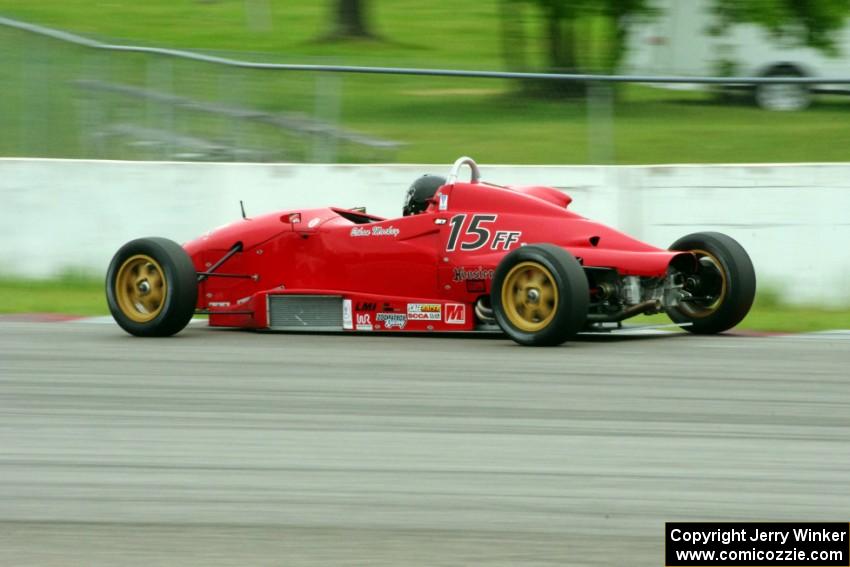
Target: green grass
(76, 295)
(437, 119)
(73, 295)
(452, 33)
(768, 314)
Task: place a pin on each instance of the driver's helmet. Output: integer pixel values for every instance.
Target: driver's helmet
(421, 193)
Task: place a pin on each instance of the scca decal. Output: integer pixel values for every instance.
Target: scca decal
(424, 311)
(502, 239)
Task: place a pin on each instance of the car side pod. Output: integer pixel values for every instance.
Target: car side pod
(151, 287)
(540, 295)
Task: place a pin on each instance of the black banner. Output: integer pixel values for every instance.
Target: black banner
(757, 544)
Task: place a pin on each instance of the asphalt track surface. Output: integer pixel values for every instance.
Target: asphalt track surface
(234, 448)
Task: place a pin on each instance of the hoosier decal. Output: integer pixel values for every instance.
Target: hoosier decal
(462, 274)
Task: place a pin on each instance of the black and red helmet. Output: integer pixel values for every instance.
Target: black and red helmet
(420, 194)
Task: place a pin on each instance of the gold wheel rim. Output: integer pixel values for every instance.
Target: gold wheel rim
(529, 297)
(140, 288)
(695, 310)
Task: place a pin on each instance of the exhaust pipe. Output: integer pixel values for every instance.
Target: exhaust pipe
(653, 305)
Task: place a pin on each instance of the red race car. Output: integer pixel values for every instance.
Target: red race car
(464, 256)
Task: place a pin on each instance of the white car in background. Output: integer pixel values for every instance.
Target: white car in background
(679, 42)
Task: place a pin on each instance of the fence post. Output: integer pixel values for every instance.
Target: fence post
(35, 107)
(600, 123)
(328, 109)
(231, 89)
(160, 79)
(94, 107)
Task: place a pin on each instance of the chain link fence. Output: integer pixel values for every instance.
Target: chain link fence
(71, 97)
(67, 99)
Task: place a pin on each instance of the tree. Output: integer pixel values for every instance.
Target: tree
(569, 23)
(575, 28)
(621, 14)
(350, 19)
(814, 23)
(513, 35)
(559, 18)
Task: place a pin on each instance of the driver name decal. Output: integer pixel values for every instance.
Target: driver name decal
(476, 236)
(375, 231)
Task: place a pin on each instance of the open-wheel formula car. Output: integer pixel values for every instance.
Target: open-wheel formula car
(465, 256)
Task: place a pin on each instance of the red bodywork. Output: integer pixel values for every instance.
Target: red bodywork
(415, 273)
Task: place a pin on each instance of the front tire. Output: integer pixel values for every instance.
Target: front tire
(540, 295)
(151, 287)
(724, 283)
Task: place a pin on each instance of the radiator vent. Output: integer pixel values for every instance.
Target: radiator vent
(305, 312)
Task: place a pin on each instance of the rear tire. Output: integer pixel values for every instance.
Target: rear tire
(725, 274)
(540, 295)
(151, 287)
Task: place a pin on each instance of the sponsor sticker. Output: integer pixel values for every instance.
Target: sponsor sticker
(314, 222)
(444, 202)
(347, 320)
(461, 274)
(364, 322)
(219, 304)
(424, 311)
(358, 231)
(392, 320)
(455, 314)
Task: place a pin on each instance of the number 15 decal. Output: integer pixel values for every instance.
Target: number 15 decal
(502, 239)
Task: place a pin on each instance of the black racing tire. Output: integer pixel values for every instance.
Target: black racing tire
(152, 287)
(540, 295)
(726, 274)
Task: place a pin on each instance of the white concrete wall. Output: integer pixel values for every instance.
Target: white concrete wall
(793, 219)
